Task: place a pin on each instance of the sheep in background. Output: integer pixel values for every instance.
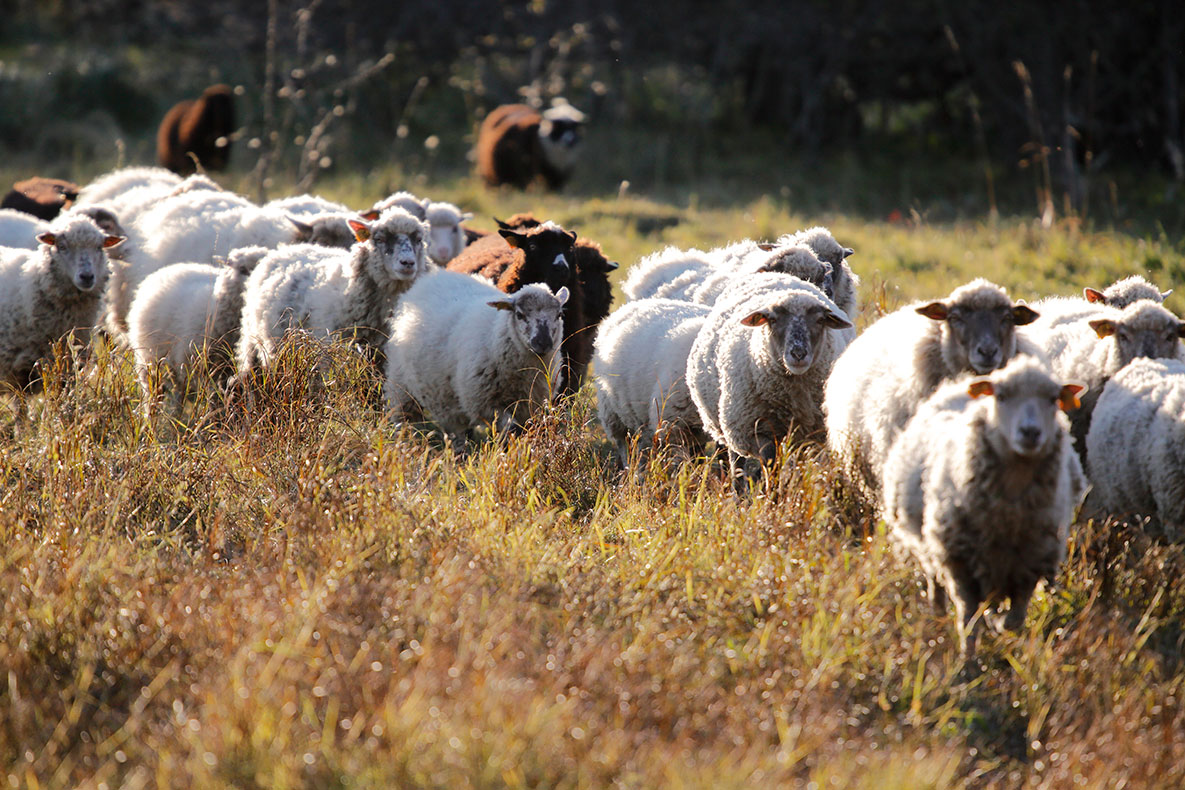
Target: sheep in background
(1057, 311)
(757, 368)
(196, 183)
(327, 291)
(19, 230)
(981, 487)
(1122, 293)
(898, 361)
(467, 354)
(108, 187)
(668, 271)
(1136, 445)
(591, 297)
(516, 144)
(48, 292)
(197, 129)
(417, 207)
(447, 237)
(1092, 351)
(44, 198)
(185, 309)
(640, 366)
(795, 260)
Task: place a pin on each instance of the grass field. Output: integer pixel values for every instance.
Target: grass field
(302, 596)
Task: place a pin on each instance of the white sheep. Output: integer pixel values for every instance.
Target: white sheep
(447, 237)
(1122, 293)
(47, 292)
(184, 310)
(109, 187)
(413, 205)
(1136, 444)
(468, 354)
(896, 363)
(329, 291)
(1057, 311)
(757, 367)
(640, 365)
(667, 272)
(1094, 350)
(19, 230)
(845, 282)
(981, 487)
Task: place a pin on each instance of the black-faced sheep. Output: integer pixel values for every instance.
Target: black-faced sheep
(44, 198)
(47, 292)
(981, 487)
(197, 128)
(898, 361)
(516, 144)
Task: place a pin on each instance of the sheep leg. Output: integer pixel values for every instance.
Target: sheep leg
(736, 473)
(936, 593)
(1018, 609)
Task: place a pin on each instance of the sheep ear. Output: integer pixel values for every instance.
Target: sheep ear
(501, 225)
(513, 238)
(502, 304)
(1165, 294)
(562, 295)
(1023, 314)
(836, 321)
(759, 318)
(980, 387)
(112, 240)
(361, 229)
(767, 246)
(611, 265)
(370, 216)
(1093, 295)
(572, 235)
(1068, 399)
(1103, 327)
(848, 251)
(47, 238)
(1181, 329)
(935, 311)
(303, 229)
(467, 215)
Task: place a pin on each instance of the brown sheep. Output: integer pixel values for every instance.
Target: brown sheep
(516, 144)
(201, 127)
(42, 197)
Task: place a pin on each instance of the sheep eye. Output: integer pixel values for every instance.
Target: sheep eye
(532, 246)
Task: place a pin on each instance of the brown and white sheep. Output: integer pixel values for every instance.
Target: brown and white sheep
(44, 198)
(517, 144)
(201, 127)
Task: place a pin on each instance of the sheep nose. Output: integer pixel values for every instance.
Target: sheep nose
(86, 279)
(799, 354)
(1030, 435)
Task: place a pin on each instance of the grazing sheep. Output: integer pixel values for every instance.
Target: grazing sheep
(1123, 292)
(44, 198)
(897, 362)
(447, 237)
(641, 374)
(413, 205)
(19, 230)
(467, 354)
(185, 309)
(47, 292)
(1092, 351)
(1136, 444)
(590, 299)
(328, 291)
(981, 487)
(757, 367)
(197, 129)
(516, 144)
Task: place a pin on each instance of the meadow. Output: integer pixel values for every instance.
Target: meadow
(302, 595)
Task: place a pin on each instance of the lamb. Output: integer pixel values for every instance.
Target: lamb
(901, 359)
(590, 299)
(467, 354)
(1136, 444)
(197, 132)
(185, 309)
(19, 230)
(641, 374)
(329, 291)
(1093, 351)
(47, 292)
(516, 144)
(981, 487)
(44, 198)
(757, 367)
(447, 235)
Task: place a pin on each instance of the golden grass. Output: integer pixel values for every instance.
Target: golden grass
(293, 593)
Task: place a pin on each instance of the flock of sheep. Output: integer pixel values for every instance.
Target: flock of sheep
(974, 424)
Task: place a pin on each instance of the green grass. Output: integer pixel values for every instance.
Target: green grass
(301, 595)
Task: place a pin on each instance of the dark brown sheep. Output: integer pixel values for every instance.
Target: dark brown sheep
(589, 302)
(201, 127)
(516, 144)
(41, 197)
